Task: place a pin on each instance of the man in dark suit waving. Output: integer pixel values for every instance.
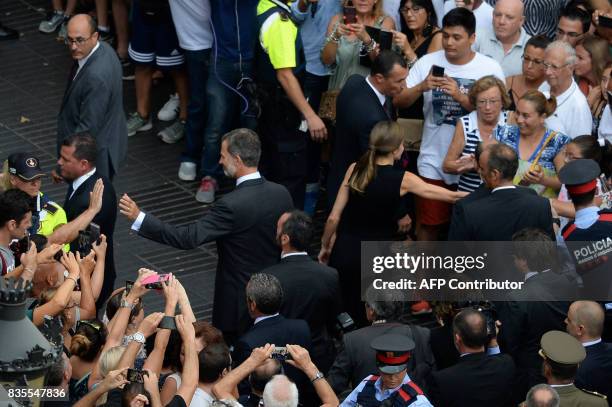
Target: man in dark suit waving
(78, 166)
(361, 104)
(93, 100)
(506, 210)
(310, 289)
(242, 222)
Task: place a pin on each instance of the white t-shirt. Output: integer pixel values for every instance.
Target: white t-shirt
(605, 125)
(483, 14)
(200, 397)
(192, 22)
(441, 111)
(573, 115)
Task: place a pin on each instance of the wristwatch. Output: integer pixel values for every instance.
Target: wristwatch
(318, 376)
(127, 304)
(137, 337)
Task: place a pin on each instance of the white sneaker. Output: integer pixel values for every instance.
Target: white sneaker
(187, 171)
(170, 110)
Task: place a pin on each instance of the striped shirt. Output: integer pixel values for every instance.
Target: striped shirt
(469, 181)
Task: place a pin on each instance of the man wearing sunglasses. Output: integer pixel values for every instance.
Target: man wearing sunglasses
(93, 100)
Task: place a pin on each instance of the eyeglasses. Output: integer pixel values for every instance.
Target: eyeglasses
(414, 9)
(530, 60)
(573, 35)
(78, 41)
(553, 67)
(95, 324)
(484, 102)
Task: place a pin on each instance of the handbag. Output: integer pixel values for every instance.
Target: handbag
(327, 107)
(413, 132)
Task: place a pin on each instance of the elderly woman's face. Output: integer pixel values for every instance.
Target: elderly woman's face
(489, 104)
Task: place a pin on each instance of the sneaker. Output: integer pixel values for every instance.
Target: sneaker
(172, 133)
(206, 192)
(49, 25)
(135, 123)
(187, 171)
(127, 69)
(170, 110)
(63, 32)
(421, 307)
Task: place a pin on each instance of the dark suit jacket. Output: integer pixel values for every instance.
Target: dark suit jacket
(311, 292)
(358, 109)
(476, 380)
(106, 219)
(94, 102)
(243, 223)
(595, 372)
(279, 331)
(500, 214)
(524, 322)
(357, 359)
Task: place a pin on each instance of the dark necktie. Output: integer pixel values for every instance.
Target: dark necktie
(73, 71)
(70, 191)
(389, 110)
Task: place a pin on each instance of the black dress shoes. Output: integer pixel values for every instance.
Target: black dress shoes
(8, 33)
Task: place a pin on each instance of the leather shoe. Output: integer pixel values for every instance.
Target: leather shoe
(8, 33)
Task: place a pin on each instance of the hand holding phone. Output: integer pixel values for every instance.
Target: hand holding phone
(437, 71)
(154, 282)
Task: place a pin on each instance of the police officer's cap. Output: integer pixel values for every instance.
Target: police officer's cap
(562, 348)
(24, 165)
(392, 352)
(580, 176)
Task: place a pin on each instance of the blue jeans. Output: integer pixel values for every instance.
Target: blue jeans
(224, 111)
(197, 69)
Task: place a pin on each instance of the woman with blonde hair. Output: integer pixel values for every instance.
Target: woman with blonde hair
(539, 148)
(347, 41)
(489, 96)
(368, 206)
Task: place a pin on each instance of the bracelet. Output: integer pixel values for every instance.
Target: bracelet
(411, 63)
(318, 376)
(71, 278)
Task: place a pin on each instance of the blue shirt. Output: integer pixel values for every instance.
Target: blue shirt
(381, 395)
(314, 30)
(225, 28)
(586, 217)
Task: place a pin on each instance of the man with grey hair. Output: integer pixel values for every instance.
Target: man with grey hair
(264, 296)
(244, 231)
(505, 40)
(585, 322)
(280, 392)
(573, 115)
(542, 395)
(356, 360)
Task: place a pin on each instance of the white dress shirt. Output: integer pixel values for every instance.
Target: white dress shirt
(83, 60)
(79, 181)
(381, 97)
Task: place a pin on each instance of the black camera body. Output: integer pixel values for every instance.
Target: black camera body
(87, 238)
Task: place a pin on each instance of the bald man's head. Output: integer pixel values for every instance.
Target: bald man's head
(585, 320)
(81, 35)
(280, 391)
(507, 20)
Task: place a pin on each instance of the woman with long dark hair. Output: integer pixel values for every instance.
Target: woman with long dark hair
(367, 208)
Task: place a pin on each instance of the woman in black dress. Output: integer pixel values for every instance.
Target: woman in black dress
(366, 209)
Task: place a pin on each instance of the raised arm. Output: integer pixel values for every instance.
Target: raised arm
(87, 303)
(302, 361)
(414, 184)
(190, 373)
(66, 233)
(97, 278)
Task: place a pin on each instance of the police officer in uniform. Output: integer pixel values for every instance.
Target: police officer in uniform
(562, 353)
(589, 236)
(393, 387)
(286, 117)
(24, 173)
